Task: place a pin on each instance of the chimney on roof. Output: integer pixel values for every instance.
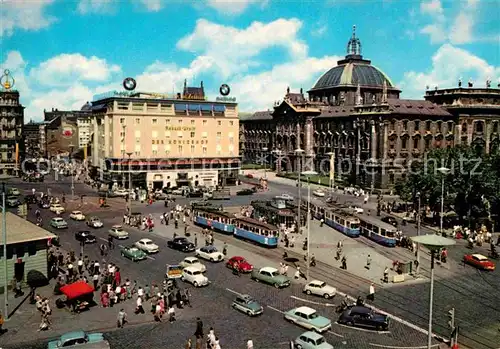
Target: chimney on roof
(201, 84)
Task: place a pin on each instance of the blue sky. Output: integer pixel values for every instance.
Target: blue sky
(62, 52)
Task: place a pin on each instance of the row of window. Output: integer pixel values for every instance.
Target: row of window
(416, 143)
(180, 151)
(154, 121)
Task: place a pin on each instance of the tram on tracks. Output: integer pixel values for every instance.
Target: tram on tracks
(378, 231)
(255, 231)
(342, 221)
(215, 218)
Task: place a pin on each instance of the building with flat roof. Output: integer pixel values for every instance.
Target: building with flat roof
(11, 131)
(27, 246)
(165, 140)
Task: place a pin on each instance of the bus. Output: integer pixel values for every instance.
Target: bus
(255, 231)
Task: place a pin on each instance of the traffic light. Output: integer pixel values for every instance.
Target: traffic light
(451, 316)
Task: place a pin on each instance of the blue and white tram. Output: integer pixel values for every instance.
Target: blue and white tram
(343, 222)
(215, 219)
(317, 208)
(256, 231)
(378, 231)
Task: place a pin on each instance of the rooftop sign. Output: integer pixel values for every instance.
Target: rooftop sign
(226, 99)
(110, 94)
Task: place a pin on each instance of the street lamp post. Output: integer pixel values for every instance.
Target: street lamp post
(4, 237)
(332, 170)
(71, 147)
(308, 174)
(299, 153)
(129, 154)
(417, 271)
(444, 171)
(264, 150)
(124, 128)
(434, 243)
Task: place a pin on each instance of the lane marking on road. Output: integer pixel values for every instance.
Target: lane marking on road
(394, 317)
(362, 329)
(232, 291)
(273, 308)
(394, 347)
(336, 334)
(313, 302)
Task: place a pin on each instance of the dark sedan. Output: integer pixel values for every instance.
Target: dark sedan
(86, 237)
(181, 244)
(245, 192)
(360, 316)
(390, 220)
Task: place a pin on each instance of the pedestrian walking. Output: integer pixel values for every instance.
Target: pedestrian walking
(368, 262)
(386, 275)
(199, 328)
(111, 245)
(249, 344)
(371, 294)
(344, 263)
(80, 265)
(139, 309)
(70, 271)
(122, 318)
(171, 314)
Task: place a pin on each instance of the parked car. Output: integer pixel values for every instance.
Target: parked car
(194, 276)
(320, 193)
(85, 236)
(390, 220)
(308, 318)
(77, 216)
(270, 276)
(181, 244)
(320, 288)
(244, 192)
(361, 316)
(133, 253)
(479, 261)
(58, 223)
(117, 232)
(78, 339)
(209, 253)
(57, 208)
(12, 201)
(13, 192)
(94, 222)
(240, 263)
(312, 340)
(247, 305)
(357, 209)
(121, 192)
(147, 245)
(286, 197)
(193, 262)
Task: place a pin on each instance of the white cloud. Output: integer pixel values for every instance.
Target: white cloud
(66, 69)
(433, 8)
(233, 49)
(153, 5)
(160, 77)
(449, 63)
(319, 30)
(95, 6)
(458, 30)
(24, 14)
(232, 7)
(15, 63)
(260, 91)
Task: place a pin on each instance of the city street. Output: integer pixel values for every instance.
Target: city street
(212, 303)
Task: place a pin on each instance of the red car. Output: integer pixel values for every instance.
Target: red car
(249, 175)
(236, 261)
(479, 261)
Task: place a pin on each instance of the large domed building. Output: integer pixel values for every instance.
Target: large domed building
(340, 83)
(354, 116)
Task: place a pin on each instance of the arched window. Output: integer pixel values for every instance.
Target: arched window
(464, 127)
(479, 126)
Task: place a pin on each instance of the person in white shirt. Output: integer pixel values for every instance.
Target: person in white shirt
(96, 267)
(250, 344)
(140, 292)
(80, 266)
(118, 292)
(216, 344)
(171, 314)
(211, 337)
(139, 309)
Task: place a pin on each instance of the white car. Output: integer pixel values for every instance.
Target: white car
(209, 253)
(194, 276)
(117, 231)
(121, 192)
(77, 216)
(193, 262)
(147, 245)
(57, 208)
(320, 193)
(358, 210)
(320, 288)
(14, 192)
(287, 197)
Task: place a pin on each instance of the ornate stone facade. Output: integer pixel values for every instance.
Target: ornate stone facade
(354, 114)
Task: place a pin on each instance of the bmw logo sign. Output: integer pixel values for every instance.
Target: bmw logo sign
(129, 84)
(224, 90)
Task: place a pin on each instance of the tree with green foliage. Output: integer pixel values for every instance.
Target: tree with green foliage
(471, 187)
